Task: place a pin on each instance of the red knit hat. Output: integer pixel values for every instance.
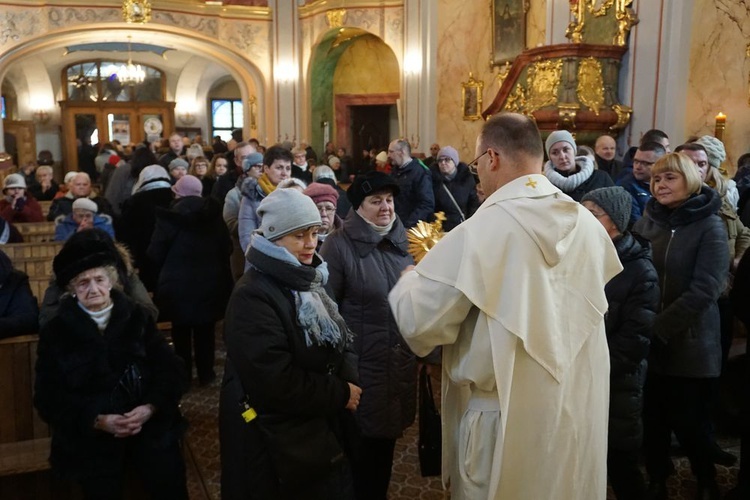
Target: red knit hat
(322, 192)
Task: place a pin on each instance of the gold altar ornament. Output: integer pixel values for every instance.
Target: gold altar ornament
(424, 236)
(335, 18)
(136, 11)
(623, 117)
(591, 84)
(543, 82)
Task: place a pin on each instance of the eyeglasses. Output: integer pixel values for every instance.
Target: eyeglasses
(444, 160)
(473, 165)
(328, 210)
(643, 162)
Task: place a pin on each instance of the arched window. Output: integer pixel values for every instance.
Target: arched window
(98, 81)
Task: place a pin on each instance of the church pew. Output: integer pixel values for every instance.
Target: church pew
(18, 252)
(45, 207)
(36, 232)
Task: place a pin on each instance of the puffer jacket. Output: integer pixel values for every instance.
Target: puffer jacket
(247, 218)
(363, 267)
(691, 257)
(633, 296)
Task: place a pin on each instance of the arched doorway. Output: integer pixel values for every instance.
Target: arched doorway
(355, 88)
(187, 45)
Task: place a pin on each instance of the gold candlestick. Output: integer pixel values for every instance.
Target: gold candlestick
(721, 125)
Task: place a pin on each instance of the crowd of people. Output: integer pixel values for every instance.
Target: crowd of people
(545, 367)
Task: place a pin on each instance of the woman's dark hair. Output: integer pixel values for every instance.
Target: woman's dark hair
(142, 157)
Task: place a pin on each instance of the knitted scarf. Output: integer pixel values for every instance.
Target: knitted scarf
(568, 184)
(265, 184)
(381, 230)
(317, 313)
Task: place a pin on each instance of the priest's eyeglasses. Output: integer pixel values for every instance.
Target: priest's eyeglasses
(473, 165)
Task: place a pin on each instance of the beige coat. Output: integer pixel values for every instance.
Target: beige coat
(516, 297)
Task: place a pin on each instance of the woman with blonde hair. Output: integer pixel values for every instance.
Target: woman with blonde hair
(690, 254)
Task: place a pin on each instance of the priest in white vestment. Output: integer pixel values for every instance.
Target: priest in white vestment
(515, 295)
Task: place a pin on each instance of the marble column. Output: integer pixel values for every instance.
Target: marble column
(419, 65)
(286, 70)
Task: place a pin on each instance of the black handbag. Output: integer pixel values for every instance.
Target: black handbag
(128, 392)
(302, 449)
(430, 429)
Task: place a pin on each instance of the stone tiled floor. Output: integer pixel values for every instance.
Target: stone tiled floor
(201, 408)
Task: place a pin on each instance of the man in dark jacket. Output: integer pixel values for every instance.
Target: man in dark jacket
(606, 149)
(454, 188)
(175, 150)
(636, 182)
(415, 200)
(226, 182)
(80, 187)
(19, 313)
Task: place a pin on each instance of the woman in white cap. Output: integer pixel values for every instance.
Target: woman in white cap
(84, 216)
(573, 175)
(290, 376)
(17, 205)
(151, 190)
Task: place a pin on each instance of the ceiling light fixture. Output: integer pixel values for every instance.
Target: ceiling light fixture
(131, 74)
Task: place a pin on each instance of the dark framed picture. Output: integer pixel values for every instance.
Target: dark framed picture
(508, 30)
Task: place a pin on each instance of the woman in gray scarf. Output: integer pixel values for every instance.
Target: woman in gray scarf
(290, 380)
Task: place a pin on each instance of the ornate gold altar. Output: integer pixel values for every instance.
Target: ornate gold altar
(574, 86)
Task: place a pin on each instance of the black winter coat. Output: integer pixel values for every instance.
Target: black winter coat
(691, 257)
(77, 374)
(191, 247)
(633, 297)
(415, 200)
(364, 266)
(19, 312)
(285, 380)
(137, 226)
(464, 191)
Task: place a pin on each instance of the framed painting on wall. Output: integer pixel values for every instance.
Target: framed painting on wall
(471, 98)
(508, 30)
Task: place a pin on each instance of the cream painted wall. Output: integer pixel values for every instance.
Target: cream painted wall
(367, 67)
(463, 46)
(719, 74)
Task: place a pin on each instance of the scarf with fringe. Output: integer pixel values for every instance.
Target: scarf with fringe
(317, 314)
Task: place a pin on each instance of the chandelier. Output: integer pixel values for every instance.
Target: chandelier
(131, 74)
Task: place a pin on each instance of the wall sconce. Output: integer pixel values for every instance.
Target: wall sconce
(413, 63)
(286, 72)
(41, 116)
(721, 125)
(187, 118)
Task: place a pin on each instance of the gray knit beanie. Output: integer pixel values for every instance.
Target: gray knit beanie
(615, 201)
(559, 136)
(285, 211)
(714, 150)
